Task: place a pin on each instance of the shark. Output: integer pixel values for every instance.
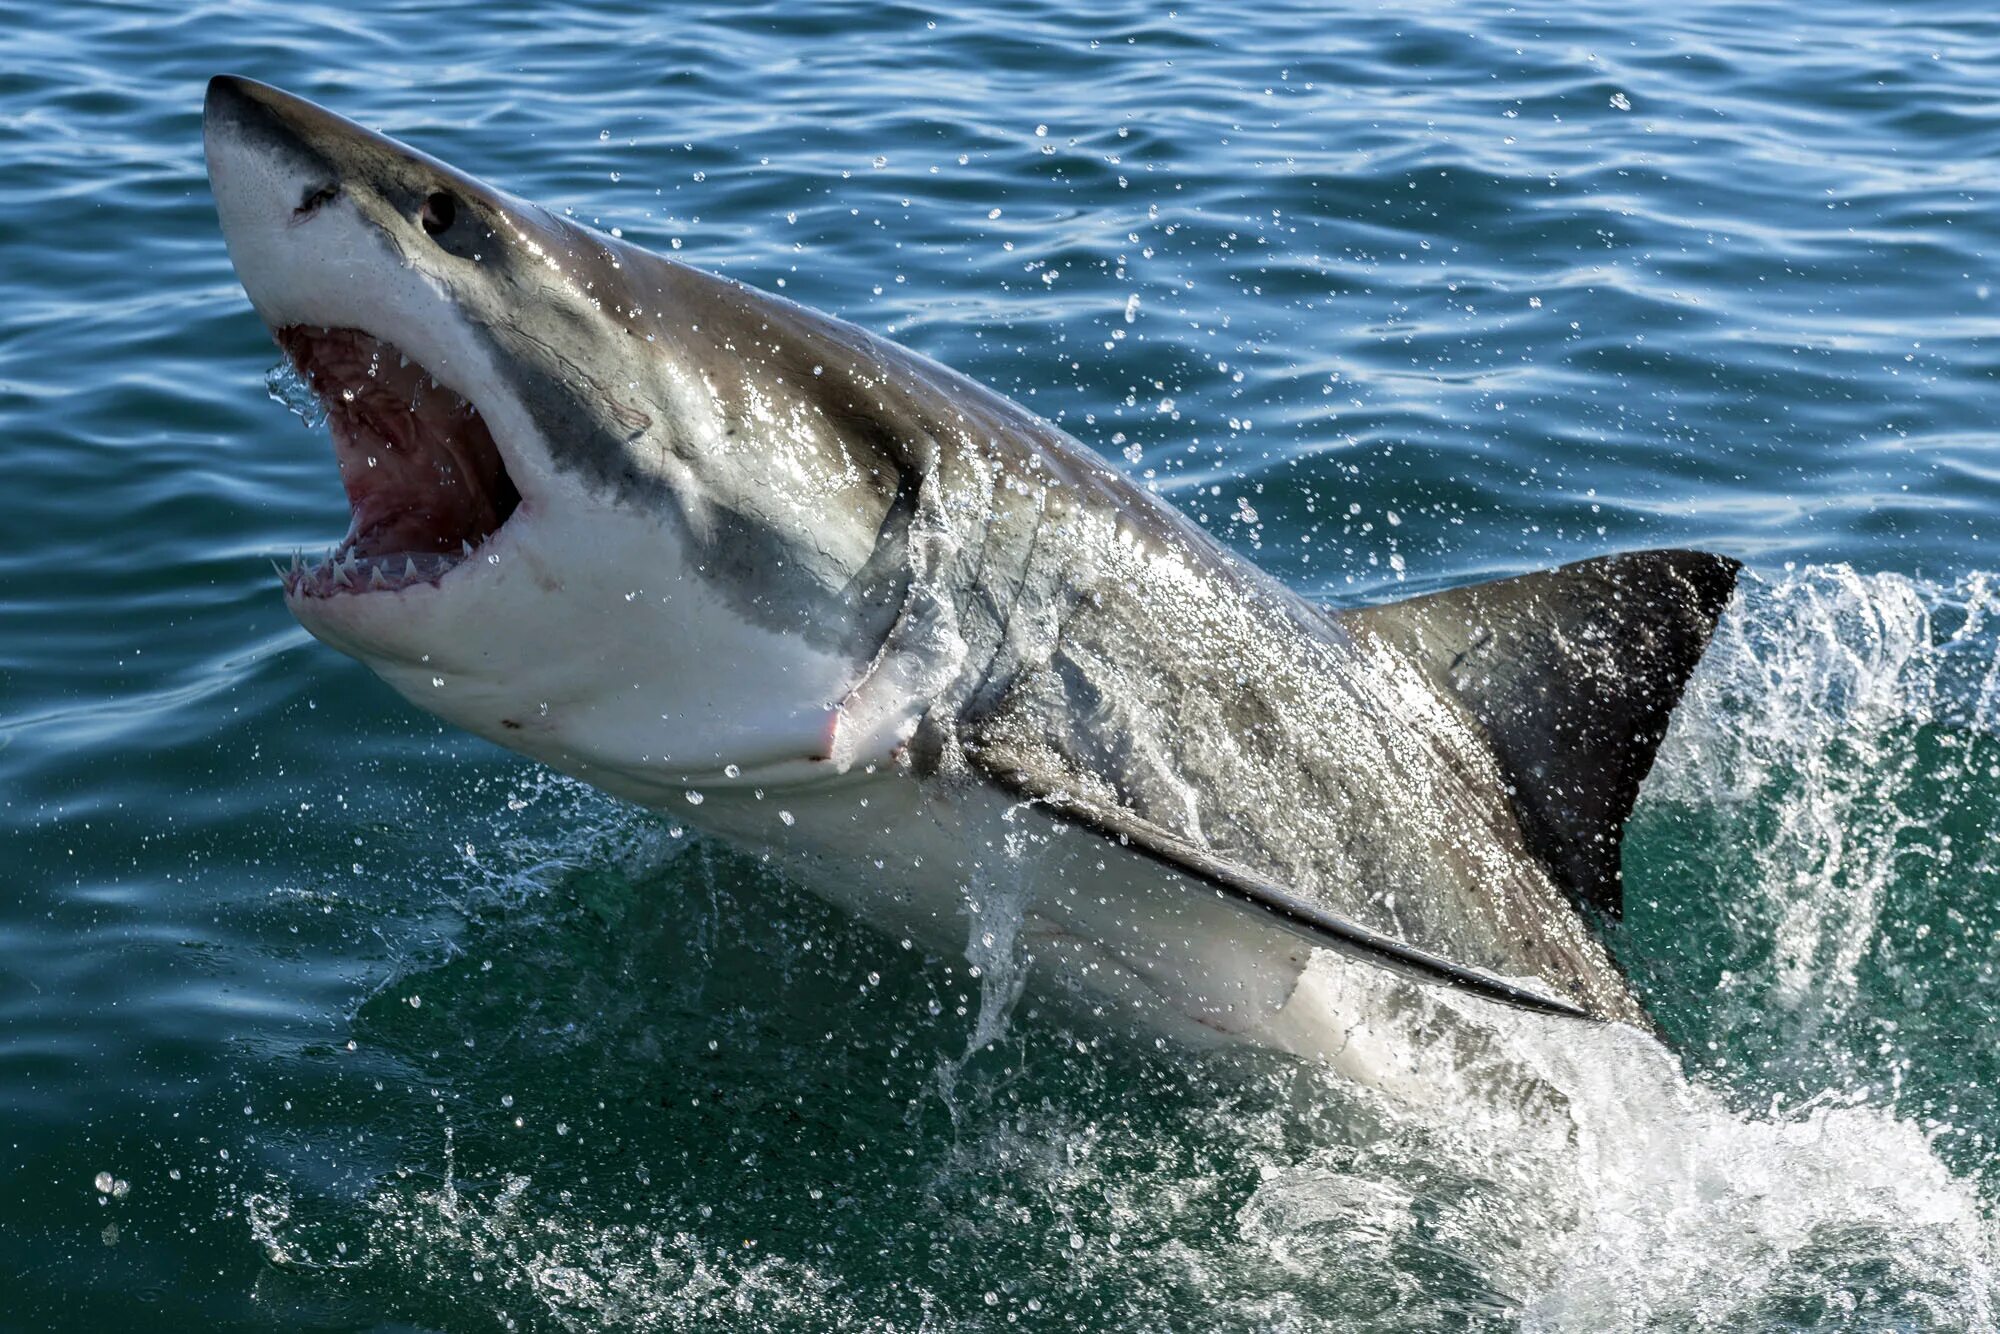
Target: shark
(821, 597)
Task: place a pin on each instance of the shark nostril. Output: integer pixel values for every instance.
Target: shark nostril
(316, 195)
(438, 212)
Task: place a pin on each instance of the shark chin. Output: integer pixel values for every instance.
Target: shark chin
(827, 599)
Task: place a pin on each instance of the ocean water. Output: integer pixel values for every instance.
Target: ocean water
(314, 1015)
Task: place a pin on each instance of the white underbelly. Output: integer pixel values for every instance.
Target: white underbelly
(969, 869)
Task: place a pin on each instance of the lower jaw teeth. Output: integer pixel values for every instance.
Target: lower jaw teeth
(345, 573)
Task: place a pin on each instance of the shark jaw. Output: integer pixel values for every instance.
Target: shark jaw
(426, 485)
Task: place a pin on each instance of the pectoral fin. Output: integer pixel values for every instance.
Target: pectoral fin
(1057, 792)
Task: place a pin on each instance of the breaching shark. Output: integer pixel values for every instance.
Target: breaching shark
(820, 596)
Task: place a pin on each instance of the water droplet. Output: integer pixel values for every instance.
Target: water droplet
(287, 387)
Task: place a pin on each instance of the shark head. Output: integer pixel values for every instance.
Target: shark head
(601, 509)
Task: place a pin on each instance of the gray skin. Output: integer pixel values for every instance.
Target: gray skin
(1037, 620)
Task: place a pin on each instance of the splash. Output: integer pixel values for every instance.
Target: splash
(1654, 1201)
(1798, 733)
(997, 909)
(537, 1260)
(289, 389)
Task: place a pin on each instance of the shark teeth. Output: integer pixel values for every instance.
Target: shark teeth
(341, 571)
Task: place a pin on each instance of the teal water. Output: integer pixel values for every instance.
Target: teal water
(314, 1015)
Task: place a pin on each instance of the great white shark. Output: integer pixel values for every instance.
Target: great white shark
(818, 595)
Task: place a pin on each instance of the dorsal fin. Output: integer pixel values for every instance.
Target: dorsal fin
(1573, 674)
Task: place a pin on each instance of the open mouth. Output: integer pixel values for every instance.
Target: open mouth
(424, 479)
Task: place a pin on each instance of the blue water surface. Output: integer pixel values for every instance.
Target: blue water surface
(316, 1015)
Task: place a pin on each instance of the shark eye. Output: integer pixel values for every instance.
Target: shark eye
(438, 213)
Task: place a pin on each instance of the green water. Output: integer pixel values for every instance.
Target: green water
(360, 1024)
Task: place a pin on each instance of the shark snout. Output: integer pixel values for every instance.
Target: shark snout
(244, 121)
(269, 166)
(233, 97)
